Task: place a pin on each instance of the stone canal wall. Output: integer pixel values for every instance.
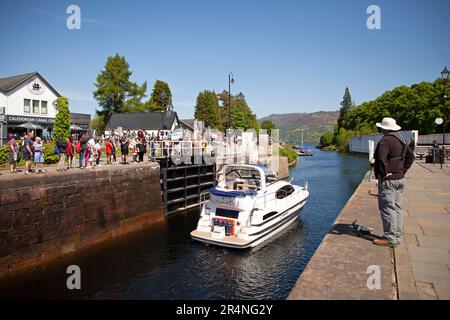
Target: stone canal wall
(278, 164)
(45, 216)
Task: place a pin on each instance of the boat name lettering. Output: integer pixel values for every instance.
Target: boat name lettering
(226, 201)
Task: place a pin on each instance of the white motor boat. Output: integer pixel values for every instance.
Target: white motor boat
(248, 206)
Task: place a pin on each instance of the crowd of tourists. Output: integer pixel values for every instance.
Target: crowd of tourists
(87, 151)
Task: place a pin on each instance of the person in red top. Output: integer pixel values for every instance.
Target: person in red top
(109, 148)
(69, 152)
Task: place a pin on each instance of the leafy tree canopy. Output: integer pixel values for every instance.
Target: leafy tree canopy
(207, 109)
(241, 114)
(114, 90)
(347, 106)
(161, 97)
(268, 125)
(414, 108)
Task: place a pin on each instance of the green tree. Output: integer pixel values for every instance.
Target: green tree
(114, 90)
(98, 124)
(207, 109)
(414, 108)
(347, 105)
(225, 109)
(238, 119)
(268, 125)
(343, 139)
(62, 119)
(241, 114)
(224, 99)
(135, 95)
(160, 98)
(326, 139)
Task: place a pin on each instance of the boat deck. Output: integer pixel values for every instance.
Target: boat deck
(225, 240)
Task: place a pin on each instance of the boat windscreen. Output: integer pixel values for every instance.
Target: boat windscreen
(234, 173)
(270, 176)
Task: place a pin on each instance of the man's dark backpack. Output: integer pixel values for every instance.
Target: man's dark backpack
(407, 157)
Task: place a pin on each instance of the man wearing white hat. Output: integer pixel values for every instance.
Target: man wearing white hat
(393, 157)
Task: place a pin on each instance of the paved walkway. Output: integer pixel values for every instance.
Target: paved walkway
(419, 268)
(5, 170)
(343, 263)
(423, 263)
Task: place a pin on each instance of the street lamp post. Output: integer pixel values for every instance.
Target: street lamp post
(230, 82)
(162, 96)
(444, 75)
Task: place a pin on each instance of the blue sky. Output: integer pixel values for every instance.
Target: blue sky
(286, 56)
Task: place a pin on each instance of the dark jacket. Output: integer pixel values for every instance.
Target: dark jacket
(83, 145)
(61, 146)
(389, 157)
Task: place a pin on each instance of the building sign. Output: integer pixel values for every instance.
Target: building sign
(37, 120)
(36, 87)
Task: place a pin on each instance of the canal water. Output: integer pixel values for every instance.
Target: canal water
(164, 263)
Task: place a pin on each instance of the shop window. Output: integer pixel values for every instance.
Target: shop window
(44, 107)
(35, 106)
(26, 105)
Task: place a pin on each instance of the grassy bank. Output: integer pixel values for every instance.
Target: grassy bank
(287, 151)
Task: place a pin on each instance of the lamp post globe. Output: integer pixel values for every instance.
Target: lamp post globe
(444, 73)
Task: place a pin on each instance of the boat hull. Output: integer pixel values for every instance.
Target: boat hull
(256, 238)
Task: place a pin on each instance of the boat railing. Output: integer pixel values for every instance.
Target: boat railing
(204, 196)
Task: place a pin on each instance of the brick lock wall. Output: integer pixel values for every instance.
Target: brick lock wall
(45, 216)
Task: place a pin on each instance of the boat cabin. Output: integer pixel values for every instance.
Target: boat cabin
(245, 178)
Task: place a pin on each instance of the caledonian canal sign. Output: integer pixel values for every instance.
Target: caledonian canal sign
(13, 118)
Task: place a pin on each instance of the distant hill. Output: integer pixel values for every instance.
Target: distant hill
(315, 124)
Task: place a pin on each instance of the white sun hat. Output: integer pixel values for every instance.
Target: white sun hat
(388, 124)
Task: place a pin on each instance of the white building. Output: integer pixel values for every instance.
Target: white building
(28, 98)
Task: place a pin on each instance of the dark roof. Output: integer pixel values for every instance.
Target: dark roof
(142, 120)
(188, 123)
(84, 118)
(9, 83)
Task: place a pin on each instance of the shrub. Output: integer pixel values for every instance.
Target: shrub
(286, 151)
(326, 139)
(49, 153)
(4, 154)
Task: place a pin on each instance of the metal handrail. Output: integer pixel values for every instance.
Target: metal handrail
(203, 195)
(167, 148)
